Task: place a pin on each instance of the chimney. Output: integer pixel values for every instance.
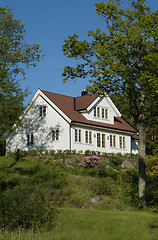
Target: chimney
(84, 92)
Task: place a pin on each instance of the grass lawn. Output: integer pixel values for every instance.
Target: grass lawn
(86, 224)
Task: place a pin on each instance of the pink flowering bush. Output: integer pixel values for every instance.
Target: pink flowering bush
(90, 162)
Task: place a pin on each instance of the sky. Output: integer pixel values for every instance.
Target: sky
(48, 23)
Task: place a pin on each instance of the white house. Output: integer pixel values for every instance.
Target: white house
(55, 121)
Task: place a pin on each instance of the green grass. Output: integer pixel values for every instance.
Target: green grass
(87, 224)
(72, 190)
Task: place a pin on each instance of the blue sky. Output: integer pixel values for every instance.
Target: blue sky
(48, 23)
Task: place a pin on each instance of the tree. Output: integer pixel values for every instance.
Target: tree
(15, 55)
(152, 126)
(121, 60)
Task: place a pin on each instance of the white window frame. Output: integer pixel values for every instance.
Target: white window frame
(112, 141)
(122, 142)
(101, 113)
(42, 111)
(78, 135)
(30, 139)
(55, 135)
(98, 140)
(88, 137)
(103, 140)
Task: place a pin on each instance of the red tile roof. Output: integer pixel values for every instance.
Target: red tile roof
(70, 106)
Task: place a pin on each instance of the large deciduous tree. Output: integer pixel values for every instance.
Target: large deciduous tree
(122, 59)
(15, 56)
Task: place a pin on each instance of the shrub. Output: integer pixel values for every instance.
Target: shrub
(128, 183)
(152, 165)
(26, 208)
(104, 185)
(115, 160)
(90, 162)
(152, 191)
(87, 152)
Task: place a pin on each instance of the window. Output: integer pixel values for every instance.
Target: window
(106, 113)
(101, 112)
(112, 140)
(55, 135)
(95, 112)
(103, 140)
(42, 111)
(98, 139)
(98, 112)
(78, 135)
(122, 142)
(30, 139)
(88, 137)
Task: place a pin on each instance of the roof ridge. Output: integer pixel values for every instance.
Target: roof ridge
(56, 93)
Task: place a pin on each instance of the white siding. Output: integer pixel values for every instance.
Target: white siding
(41, 127)
(54, 119)
(78, 146)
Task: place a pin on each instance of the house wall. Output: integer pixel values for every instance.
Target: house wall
(41, 128)
(93, 146)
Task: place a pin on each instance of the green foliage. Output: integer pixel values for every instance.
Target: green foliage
(2, 147)
(152, 191)
(15, 54)
(26, 208)
(115, 160)
(128, 182)
(90, 153)
(28, 192)
(104, 186)
(152, 165)
(122, 60)
(77, 223)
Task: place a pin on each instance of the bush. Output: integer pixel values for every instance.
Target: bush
(115, 160)
(128, 182)
(90, 162)
(104, 186)
(26, 208)
(152, 191)
(152, 165)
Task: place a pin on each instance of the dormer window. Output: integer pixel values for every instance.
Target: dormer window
(101, 112)
(42, 111)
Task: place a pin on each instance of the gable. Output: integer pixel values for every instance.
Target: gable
(81, 110)
(102, 110)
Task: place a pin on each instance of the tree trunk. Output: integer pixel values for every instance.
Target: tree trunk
(141, 159)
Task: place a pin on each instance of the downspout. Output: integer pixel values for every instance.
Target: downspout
(70, 137)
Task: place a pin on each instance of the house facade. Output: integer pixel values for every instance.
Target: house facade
(54, 121)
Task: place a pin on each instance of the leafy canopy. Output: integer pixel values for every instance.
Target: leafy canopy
(122, 60)
(15, 55)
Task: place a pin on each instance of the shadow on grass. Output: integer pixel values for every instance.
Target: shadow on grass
(28, 172)
(154, 225)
